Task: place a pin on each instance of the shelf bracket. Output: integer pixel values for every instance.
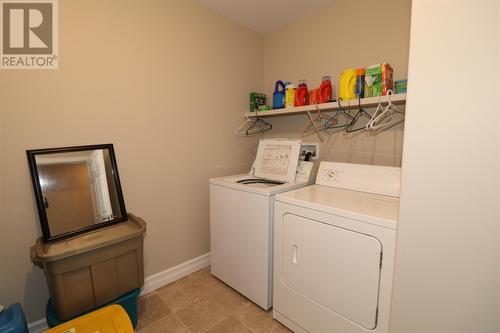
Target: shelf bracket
(313, 122)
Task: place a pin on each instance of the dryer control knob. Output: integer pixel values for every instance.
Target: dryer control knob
(332, 174)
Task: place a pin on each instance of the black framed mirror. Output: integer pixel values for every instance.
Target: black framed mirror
(77, 189)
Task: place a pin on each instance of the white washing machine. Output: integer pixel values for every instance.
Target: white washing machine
(334, 250)
(241, 216)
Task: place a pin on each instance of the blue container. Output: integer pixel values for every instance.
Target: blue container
(400, 86)
(279, 95)
(12, 320)
(127, 301)
(360, 86)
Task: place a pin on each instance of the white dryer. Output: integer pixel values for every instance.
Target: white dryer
(334, 250)
(241, 216)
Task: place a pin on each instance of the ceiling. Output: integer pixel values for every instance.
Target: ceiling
(263, 16)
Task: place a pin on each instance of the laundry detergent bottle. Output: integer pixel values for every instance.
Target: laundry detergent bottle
(326, 89)
(290, 95)
(302, 94)
(347, 84)
(360, 82)
(279, 95)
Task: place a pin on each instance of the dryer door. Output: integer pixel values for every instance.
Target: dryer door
(335, 267)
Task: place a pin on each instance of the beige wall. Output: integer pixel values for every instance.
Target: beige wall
(125, 77)
(166, 82)
(347, 34)
(448, 261)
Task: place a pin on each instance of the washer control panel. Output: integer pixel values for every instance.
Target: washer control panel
(360, 177)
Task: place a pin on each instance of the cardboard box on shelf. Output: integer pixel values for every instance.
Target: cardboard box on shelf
(378, 79)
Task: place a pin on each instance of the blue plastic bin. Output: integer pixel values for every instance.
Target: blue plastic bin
(127, 301)
(12, 320)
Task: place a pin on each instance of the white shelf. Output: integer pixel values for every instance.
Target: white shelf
(332, 106)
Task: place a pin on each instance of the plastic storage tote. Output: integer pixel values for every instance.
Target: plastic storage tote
(111, 319)
(128, 302)
(12, 320)
(93, 269)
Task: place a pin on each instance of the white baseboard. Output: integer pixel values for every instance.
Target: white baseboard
(170, 275)
(38, 326)
(151, 283)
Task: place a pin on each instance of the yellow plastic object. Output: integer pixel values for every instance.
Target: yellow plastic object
(110, 319)
(290, 95)
(347, 84)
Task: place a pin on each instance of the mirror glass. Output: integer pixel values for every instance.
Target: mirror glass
(77, 188)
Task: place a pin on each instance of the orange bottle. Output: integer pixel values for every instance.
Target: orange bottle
(325, 89)
(314, 96)
(302, 94)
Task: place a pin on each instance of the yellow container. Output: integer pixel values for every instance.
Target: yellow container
(110, 319)
(290, 95)
(347, 84)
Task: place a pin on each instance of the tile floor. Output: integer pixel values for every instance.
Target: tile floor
(202, 303)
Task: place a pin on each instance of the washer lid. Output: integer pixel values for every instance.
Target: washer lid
(257, 188)
(277, 159)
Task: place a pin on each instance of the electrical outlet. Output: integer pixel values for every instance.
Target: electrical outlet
(312, 148)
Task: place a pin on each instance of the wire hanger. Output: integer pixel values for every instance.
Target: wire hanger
(361, 112)
(313, 124)
(253, 126)
(240, 130)
(334, 122)
(258, 126)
